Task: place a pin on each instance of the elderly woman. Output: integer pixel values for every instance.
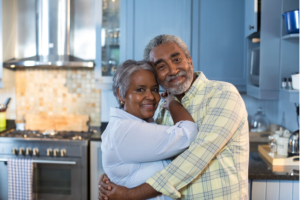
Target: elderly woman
(132, 148)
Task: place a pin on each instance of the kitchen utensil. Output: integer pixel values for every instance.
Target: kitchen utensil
(260, 122)
(295, 81)
(293, 144)
(282, 146)
(291, 21)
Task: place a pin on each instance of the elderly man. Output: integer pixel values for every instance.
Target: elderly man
(215, 166)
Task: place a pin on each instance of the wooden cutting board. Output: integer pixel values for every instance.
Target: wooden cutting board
(56, 122)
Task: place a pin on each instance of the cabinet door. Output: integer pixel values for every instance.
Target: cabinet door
(96, 168)
(143, 20)
(221, 41)
(251, 13)
(1, 59)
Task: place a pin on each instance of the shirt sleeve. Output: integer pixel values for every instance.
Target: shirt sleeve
(224, 113)
(146, 142)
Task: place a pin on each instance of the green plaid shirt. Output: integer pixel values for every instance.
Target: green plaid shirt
(215, 166)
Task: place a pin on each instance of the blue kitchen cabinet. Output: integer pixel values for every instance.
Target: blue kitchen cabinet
(221, 41)
(267, 86)
(142, 20)
(213, 31)
(1, 58)
(289, 53)
(251, 16)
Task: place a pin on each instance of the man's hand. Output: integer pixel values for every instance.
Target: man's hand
(104, 180)
(111, 191)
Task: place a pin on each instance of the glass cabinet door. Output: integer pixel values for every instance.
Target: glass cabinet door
(110, 37)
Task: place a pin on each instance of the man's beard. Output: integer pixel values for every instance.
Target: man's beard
(179, 88)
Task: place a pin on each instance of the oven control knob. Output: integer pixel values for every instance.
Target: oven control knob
(49, 152)
(35, 151)
(28, 151)
(15, 151)
(56, 152)
(63, 152)
(22, 151)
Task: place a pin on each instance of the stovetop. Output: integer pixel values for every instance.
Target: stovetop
(68, 135)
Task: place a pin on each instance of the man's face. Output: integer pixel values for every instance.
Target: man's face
(174, 70)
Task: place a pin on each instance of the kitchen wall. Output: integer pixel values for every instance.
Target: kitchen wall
(9, 91)
(57, 92)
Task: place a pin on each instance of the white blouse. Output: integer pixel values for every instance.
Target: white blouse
(133, 150)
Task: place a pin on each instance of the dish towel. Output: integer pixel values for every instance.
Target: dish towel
(20, 175)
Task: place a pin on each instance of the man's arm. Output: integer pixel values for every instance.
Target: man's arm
(224, 114)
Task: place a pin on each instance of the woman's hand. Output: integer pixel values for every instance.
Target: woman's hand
(169, 99)
(111, 191)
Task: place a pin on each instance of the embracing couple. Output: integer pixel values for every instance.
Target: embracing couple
(198, 146)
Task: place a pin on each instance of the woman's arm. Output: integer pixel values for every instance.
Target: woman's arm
(178, 112)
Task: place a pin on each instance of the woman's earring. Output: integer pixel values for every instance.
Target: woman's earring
(122, 102)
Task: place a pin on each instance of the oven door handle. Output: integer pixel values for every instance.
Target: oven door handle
(47, 162)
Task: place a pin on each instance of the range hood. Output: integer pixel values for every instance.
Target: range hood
(52, 38)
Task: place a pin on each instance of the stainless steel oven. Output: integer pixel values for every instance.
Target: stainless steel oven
(60, 167)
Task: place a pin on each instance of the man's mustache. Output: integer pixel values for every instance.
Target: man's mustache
(180, 73)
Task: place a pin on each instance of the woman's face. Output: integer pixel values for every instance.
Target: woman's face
(142, 97)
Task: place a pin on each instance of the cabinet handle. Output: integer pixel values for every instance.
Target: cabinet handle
(251, 27)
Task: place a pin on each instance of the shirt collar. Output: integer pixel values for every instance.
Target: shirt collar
(119, 113)
(196, 86)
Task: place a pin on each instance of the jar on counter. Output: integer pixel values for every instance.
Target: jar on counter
(2, 116)
(260, 122)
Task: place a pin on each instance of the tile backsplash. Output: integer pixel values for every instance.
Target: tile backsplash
(56, 92)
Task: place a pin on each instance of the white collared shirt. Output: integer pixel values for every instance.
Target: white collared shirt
(134, 150)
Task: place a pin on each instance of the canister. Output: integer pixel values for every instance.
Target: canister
(2, 116)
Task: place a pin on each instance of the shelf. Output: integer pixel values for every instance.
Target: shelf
(259, 93)
(291, 36)
(290, 95)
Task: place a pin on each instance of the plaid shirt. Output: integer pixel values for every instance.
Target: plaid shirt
(215, 166)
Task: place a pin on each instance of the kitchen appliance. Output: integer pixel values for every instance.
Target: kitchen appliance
(293, 144)
(54, 33)
(60, 162)
(260, 122)
(295, 81)
(254, 66)
(291, 21)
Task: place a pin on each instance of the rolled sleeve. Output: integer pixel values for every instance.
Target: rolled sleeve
(161, 184)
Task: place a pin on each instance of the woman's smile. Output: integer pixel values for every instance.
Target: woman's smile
(142, 97)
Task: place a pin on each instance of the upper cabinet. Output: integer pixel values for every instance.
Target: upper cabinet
(289, 52)
(7, 41)
(220, 41)
(213, 31)
(143, 20)
(263, 59)
(1, 50)
(252, 15)
(108, 34)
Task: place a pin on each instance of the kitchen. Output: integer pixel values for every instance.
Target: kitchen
(108, 32)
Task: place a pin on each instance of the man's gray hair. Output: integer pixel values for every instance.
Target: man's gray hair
(161, 39)
(123, 74)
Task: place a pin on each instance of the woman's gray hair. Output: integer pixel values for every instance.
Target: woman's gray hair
(123, 74)
(161, 39)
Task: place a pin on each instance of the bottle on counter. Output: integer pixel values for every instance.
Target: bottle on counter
(283, 83)
(289, 84)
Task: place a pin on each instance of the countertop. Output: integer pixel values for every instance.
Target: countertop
(259, 169)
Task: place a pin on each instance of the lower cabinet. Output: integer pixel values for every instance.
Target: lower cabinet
(96, 169)
(273, 190)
